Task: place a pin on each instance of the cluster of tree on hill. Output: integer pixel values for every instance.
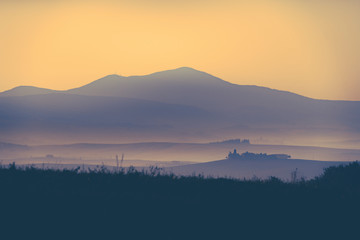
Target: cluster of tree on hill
(254, 156)
(233, 141)
(128, 204)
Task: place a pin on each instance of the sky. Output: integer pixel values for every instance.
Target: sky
(307, 47)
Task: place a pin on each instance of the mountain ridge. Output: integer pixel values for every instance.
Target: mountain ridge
(178, 104)
(27, 90)
(188, 72)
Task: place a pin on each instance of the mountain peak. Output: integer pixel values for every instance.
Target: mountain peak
(186, 75)
(112, 76)
(181, 80)
(182, 71)
(26, 90)
(185, 69)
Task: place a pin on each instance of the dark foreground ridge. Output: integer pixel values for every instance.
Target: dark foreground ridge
(71, 204)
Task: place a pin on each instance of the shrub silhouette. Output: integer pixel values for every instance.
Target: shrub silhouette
(149, 205)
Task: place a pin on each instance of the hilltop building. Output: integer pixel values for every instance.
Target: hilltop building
(233, 155)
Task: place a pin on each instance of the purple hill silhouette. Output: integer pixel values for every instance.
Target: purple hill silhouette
(180, 104)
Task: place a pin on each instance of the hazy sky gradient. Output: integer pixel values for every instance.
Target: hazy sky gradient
(308, 47)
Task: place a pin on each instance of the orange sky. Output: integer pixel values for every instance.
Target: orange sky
(308, 47)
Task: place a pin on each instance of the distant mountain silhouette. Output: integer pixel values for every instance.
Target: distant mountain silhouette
(12, 147)
(26, 90)
(184, 86)
(245, 105)
(182, 103)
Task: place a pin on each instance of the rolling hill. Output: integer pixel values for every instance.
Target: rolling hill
(256, 168)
